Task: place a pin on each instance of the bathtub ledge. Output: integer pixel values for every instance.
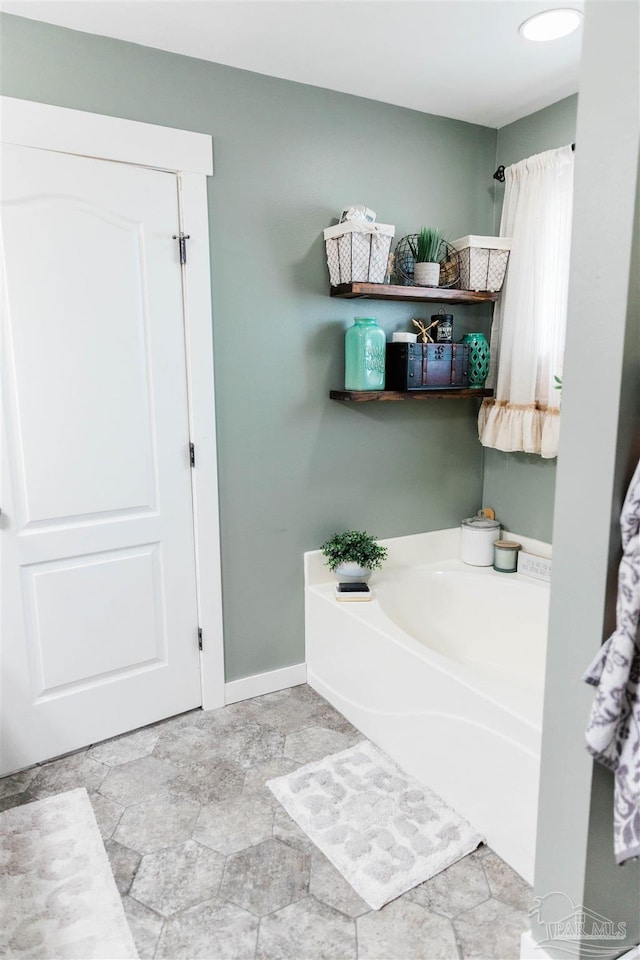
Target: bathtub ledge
(415, 550)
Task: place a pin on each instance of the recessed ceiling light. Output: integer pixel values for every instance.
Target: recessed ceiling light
(551, 25)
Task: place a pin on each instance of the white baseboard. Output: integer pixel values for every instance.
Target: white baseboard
(633, 954)
(529, 950)
(261, 683)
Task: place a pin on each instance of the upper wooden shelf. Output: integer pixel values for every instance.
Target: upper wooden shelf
(389, 291)
(363, 396)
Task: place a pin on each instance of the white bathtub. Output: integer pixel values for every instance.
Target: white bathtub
(444, 670)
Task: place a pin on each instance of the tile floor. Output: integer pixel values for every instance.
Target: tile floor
(210, 866)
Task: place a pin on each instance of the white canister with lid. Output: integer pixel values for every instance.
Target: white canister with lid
(400, 336)
(477, 536)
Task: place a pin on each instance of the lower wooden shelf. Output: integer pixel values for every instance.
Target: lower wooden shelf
(364, 396)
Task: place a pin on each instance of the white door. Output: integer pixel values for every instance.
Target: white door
(98, 572)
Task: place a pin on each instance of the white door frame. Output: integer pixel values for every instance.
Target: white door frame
(189, 156)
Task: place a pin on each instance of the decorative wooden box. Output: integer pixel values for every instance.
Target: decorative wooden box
(427, 366)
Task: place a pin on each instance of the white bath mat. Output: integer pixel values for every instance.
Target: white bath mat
(58, 897)
(384, 831)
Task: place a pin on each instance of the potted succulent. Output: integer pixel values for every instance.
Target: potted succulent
(426, 272)
(352, 555)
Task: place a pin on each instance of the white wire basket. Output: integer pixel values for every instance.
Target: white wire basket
(358, 251)
(483, 262)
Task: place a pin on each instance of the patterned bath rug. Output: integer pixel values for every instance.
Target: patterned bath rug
(58, 898)
(382, 829)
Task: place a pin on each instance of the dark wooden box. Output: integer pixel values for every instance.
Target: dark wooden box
(427, 366)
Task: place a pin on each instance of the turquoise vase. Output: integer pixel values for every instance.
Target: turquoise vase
(364, 355)
(479, 358)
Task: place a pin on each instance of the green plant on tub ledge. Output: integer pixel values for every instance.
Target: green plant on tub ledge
(353, 555)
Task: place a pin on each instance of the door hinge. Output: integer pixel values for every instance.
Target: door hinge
(182, 245)
(199, 638)
(192, 454)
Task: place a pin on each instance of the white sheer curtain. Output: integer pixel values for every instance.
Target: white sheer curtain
(528, 334)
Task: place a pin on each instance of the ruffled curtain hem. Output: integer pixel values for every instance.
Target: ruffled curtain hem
(519, 427)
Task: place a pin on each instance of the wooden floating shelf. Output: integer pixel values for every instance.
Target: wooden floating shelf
(388, 291)
(363, 396)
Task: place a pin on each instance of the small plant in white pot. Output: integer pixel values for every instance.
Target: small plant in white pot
(353, 555)
(426, 271)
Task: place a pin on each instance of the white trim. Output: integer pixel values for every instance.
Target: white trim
(529, 949)
(199, 347)
(261, 683)
(40, 125)
(189, 155)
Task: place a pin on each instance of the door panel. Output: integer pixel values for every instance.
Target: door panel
(126, 637)
(65, 461)
(99, 596)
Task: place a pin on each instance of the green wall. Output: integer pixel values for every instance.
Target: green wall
(555, 126)
(521, 486)
(294, 466)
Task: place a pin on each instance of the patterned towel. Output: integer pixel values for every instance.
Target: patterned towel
(613, 732)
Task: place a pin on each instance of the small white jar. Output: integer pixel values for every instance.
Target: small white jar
(477, 537)
(401, 337)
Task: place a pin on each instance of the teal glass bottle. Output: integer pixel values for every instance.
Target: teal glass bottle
(364, 355)
(479, 358)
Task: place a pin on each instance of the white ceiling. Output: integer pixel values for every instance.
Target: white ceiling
(456, 58)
